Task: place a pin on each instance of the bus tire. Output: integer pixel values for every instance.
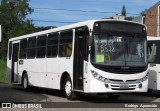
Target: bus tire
(69, 93)
(113, 96)
(149, 91)
(25, 83)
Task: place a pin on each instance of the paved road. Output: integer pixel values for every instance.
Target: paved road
(9, 93)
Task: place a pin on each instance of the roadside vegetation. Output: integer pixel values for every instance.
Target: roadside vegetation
(3, 71)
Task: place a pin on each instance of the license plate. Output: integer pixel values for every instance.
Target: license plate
(124, 86)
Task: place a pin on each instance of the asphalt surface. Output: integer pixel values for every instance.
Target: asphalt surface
(9, 93)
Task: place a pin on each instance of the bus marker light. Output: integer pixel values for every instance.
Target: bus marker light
(92, 71)
(140, 86)
(106, 85)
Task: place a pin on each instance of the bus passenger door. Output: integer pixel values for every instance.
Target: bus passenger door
(80, 48)
(15, 54)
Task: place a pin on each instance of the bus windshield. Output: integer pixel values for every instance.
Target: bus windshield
(119, 50)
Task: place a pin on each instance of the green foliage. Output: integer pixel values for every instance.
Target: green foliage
(44, 28)
(13, 20)
(123, 12)
(129, 18)
(2, 70)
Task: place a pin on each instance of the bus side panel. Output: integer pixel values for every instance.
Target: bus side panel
(42, 72)
(65, 64)
(154, 76)
(52, 79)
(38, 72)
(33, 71)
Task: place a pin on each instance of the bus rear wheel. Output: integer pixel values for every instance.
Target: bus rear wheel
(25, 83)
(69, 93)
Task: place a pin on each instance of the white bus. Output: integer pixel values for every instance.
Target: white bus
(95, 56)
(153, 49)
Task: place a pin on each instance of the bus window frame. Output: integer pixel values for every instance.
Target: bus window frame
(59, 43)
(39, 47)
(31, 48)
(157, 51)
(52, 45)
(21, 49)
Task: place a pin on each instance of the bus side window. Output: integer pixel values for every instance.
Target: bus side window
(65, 45)
(52, 46)
(152, 51)
(31, 52)
(23, 49)
(86, 44)
(41, 46)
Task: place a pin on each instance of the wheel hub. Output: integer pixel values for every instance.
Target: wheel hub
(68, 88)
(25, 83)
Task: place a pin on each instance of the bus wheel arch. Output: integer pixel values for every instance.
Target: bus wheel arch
(24, 72)
(63, 78)
(65, 82)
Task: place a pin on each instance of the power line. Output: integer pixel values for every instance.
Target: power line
(84, 11)
(71, 10)
(70, 14)
(109, 1)
(50, 21)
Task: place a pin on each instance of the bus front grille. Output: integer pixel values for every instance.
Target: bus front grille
(123, 89)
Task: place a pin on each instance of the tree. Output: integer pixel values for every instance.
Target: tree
(14, 22)
(129, 18)
(123, 12)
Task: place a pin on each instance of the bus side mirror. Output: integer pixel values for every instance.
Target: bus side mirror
(90, 40)
(0, 33)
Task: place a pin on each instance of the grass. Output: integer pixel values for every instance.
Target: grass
(3, 71)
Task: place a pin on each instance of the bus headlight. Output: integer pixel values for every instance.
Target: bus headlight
(144, 78)
(99, 77)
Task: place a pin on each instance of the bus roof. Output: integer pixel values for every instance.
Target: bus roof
(88, 23)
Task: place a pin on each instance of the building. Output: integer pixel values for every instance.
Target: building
(151, 18)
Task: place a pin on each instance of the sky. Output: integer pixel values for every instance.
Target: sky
(64, 12)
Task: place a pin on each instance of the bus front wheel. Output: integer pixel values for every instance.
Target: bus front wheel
(149, 91)
(69, 93)
(113, 96)
(26, 86)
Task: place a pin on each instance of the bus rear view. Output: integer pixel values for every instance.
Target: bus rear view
(118, 57)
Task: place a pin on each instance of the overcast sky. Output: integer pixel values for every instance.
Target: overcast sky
(63, 12)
